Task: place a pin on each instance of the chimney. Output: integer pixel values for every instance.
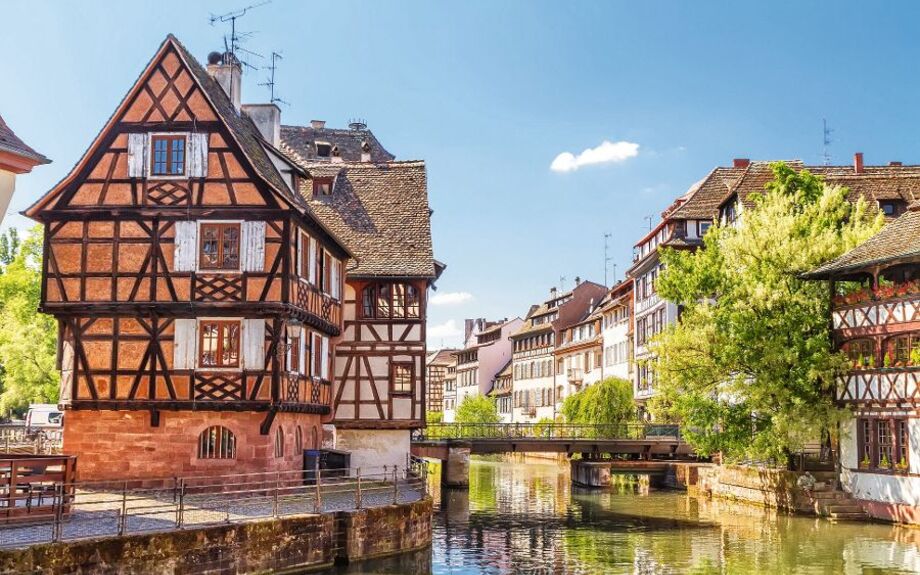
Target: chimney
(858, 163)
(552, 292)
(267, 118)
(365, 151)
(318, 124)
(226, 71)
(741, 163)
(577, 281)
(895, 163)
(468, 329)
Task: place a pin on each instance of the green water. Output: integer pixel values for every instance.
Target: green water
(528, 518)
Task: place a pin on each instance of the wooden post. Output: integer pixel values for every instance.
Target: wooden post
(122, 518)
(395, 485)
(317, 502)
(358, 490)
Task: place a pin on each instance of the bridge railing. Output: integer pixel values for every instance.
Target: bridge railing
(548, 431)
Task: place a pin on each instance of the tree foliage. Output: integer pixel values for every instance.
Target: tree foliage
(434, 416)
(749, 369)
(28, 339)
(477, 409)
(607, 401)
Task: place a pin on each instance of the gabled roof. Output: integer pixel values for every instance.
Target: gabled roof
(442, 357)
(702, 202)
(300, 142)
(897, 242)
(11, 143)
(381, 211)
(875, 183)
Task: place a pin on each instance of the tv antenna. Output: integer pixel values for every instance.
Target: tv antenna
(235, 38)
(827, 143)
(607, 260)
(270, 82)
(649, 220)
(561, 283)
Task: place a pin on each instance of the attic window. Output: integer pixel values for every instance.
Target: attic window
(168, 158)
(322, 186)
(323, 149)
(890, 207)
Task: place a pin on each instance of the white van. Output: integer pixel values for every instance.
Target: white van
(44, 416)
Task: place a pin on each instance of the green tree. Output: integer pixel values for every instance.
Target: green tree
(749, 369)
(477, 409)
(607, 401)
(28, 339)
(434, 416)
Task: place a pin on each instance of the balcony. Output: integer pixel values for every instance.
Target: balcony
(885, 305)
(320, 305)
(893, 386)
(575, 375)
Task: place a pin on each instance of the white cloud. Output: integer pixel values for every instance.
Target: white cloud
(451, 298)
(607, 153)
(448, 329)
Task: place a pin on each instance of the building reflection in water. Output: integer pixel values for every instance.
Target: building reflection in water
(527, 518)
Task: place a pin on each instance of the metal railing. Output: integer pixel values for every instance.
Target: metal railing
(82, 510)
(561, 431)
(17, 438)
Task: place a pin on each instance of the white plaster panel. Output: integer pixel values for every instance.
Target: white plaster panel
(372, 449)
(402, 408)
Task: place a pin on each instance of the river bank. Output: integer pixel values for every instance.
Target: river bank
(529, 518)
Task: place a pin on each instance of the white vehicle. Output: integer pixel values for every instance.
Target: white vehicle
(44, 416)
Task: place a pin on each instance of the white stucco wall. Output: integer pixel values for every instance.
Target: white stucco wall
(880, 487)
(374, 448)
(7, 187)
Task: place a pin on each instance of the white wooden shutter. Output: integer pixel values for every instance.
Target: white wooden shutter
(335, 279)
(137, 155)
(325, 358)
(254, 344)
(313, 351)
(298, 265)
(197, 155)
(252, 246)
(185, 255)
(303, 351)
(312, 250)
(185, 342)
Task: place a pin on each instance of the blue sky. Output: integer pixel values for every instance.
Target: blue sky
(490, 93)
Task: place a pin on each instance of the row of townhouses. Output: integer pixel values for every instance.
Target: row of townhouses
(579, 337)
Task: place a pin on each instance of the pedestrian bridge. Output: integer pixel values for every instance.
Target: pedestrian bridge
(453, 443)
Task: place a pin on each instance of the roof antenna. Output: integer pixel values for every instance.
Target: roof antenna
(236, 38)
(827, 143)
(649, 220)
(561, 284)
(607, 260)
(270, 82)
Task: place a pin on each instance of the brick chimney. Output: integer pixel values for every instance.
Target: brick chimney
(468, 329)
(267, 118)
(552, 292)
(226, 71)
(317, 124)
(858, 163)
(741, 163)
(895, 163)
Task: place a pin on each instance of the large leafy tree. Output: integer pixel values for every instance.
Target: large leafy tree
(749, 369)
(27, 338)
(607, 401)
(477, 409)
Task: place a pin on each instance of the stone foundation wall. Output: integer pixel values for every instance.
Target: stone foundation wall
(112, 445)
(767, 487)
(292, 544)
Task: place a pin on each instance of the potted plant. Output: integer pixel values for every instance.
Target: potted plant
(883, 462)
(901, 465)
(864, 464)
(915, 355)
(886, 360)
(871, 361)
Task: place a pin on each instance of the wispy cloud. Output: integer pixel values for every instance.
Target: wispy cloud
(446, 330)
(451, 298)
(606, 153)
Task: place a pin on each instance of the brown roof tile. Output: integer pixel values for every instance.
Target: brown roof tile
(702, 202)
(897, 241)
(350, 143)
(10, 142)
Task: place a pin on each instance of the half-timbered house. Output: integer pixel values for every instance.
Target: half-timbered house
(196, 292)
(876, 323)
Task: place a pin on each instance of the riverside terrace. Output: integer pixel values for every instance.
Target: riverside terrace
(52, 510)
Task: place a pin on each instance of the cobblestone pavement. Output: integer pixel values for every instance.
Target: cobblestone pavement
(97, 514)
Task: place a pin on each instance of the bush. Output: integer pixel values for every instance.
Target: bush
(605, 402)
(477, 409)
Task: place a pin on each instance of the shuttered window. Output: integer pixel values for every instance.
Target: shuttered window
(219, 248)
(168, 157)
(219, 344)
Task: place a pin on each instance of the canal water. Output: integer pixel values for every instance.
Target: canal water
(527, 518)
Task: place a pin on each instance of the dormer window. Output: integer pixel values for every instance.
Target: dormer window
(322, 186)
(890, 207)
(323, 149)
(168, 157)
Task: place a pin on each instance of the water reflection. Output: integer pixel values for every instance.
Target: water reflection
(527, 518)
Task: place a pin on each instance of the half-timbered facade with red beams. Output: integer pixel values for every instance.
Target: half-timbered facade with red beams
(379, 207)
(196, 293)
(876, 323)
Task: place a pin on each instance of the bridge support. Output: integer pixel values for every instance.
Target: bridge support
(455, 470)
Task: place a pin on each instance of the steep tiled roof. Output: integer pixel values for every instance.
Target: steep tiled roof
(590, 342)
(10, 142)
(897, 241)
(381, 212)
(874, 183)
(705, 196)
(350, 143)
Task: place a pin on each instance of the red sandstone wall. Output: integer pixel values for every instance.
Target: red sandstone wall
(123, 445)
